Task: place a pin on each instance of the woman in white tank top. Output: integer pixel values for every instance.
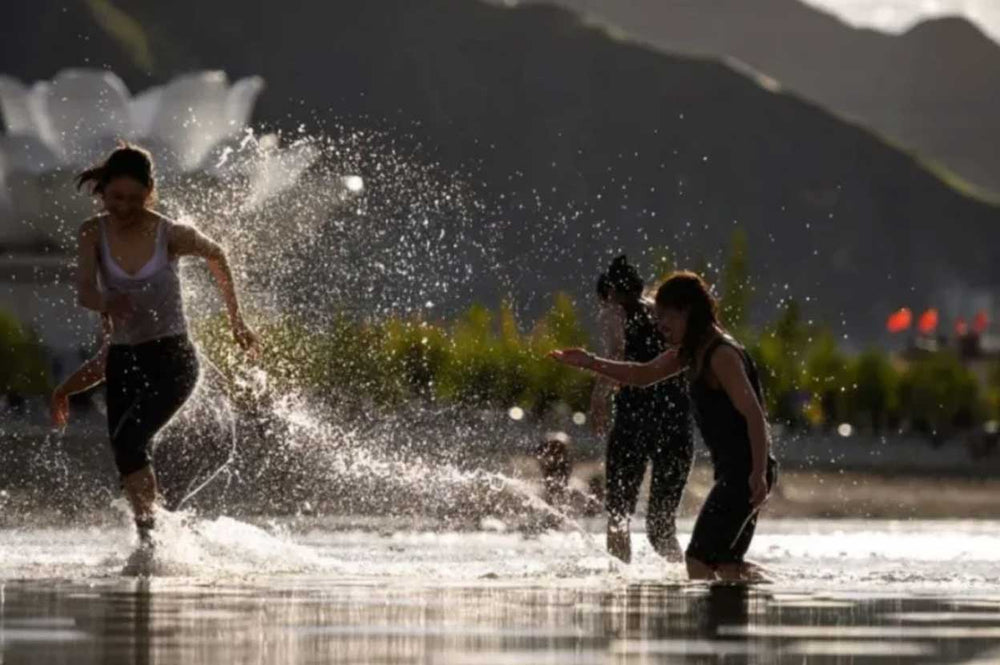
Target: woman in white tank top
(127, 270)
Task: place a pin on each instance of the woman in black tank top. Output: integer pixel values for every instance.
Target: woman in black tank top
(728, 405)
(651, 425)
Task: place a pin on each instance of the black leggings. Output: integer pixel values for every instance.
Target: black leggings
(726, 523)
(664, 439)
(146, 385)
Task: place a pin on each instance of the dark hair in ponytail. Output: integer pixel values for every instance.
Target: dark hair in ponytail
(127, 160)
(688, 292)
(625, 279)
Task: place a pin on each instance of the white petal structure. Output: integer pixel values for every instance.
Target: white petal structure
(74, 119)
(143, 108)
(197, 111)
(14, 107)
(80, 111)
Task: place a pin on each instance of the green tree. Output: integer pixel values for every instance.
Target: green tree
(875, 390)
(735, 298)
(826, 378)
(780, 354)
(23, 365)
(939, 395)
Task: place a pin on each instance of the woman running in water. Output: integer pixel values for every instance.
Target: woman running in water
(128, 271)
(650, 424)
(728, 406)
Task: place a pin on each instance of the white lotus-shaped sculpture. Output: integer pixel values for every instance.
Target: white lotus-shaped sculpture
(75, 118)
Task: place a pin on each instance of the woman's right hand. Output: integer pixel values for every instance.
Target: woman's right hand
(246, 338)
(59, 407)
(573, 357)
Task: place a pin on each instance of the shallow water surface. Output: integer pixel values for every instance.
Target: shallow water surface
(228, 591)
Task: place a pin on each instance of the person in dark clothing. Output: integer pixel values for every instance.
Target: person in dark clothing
(650, 425)
(729, 408)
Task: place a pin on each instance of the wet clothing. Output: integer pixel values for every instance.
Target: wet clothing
(146, 385)
(665, 441)
(726, 523)
(152, 368)
(651, 424)
(154, 291)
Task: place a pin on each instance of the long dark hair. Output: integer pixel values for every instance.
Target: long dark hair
(687, 291)
(126, 160)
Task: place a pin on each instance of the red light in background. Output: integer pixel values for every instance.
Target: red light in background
(899, 320)
(928, 321)
(981, 322)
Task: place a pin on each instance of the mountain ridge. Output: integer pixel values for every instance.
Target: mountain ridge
(586, 146)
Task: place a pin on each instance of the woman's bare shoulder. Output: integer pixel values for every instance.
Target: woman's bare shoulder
(89, 227)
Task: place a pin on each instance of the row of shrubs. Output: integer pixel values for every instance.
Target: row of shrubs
(484, 358)
(812, 382)
(481, 359)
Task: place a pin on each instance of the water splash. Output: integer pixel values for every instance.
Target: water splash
(319, 227)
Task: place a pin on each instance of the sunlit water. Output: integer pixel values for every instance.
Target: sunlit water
(317, 590)
(437, 554)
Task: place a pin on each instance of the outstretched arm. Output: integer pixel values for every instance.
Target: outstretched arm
(185, 240)
(662, 367)
(90, 374)
(728, 368)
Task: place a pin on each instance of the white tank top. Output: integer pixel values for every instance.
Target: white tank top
(154, 292)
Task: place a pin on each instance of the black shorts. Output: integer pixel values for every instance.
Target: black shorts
(146, 385)
(726, 523)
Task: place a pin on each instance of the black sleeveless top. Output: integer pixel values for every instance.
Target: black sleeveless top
(722, 426)
(666, 399)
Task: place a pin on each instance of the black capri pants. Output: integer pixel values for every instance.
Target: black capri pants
(147, 384)
(726, 523)
(651, 426)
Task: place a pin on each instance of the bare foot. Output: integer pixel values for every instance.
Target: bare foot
(746, 571)
(699, 571)
(619, 541)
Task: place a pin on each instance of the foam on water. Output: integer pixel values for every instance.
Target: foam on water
(818, 556)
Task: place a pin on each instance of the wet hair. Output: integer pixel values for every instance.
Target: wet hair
(686, 291)
(624, 278)
(604, 286)
(125, 161)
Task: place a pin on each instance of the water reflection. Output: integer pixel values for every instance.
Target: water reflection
(310, 620)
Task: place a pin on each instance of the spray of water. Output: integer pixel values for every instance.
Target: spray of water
(318, 228)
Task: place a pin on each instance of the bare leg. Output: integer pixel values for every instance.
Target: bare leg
(698, 570)
(140, 488)
(619, 539)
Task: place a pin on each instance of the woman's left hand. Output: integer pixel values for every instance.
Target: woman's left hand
(758, 489)
(246, 338)
(573, 357)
